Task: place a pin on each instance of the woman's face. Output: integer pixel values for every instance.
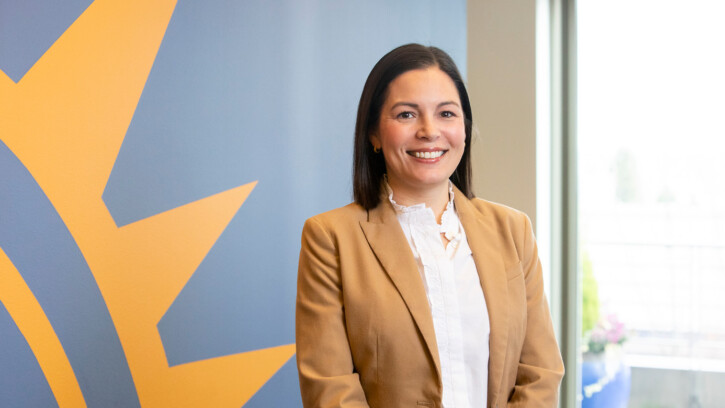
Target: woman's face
(421, 131)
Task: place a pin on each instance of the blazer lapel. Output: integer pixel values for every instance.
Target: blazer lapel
(484, 242)
(388, 242)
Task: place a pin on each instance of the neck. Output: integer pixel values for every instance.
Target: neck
(436, 198)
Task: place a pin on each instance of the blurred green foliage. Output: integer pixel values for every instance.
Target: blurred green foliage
(590, 296)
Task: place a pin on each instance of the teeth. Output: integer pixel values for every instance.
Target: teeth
(428, 155)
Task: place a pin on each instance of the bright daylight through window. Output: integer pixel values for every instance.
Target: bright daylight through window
(651, 140)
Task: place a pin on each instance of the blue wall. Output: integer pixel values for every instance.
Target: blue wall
(239, 91)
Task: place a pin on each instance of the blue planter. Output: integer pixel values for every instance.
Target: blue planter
(605, 383)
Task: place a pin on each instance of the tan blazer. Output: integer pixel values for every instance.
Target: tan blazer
(364, 330)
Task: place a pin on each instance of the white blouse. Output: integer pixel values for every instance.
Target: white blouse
(456, 300)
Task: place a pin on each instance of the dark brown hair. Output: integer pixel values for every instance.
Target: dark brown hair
(368, 166)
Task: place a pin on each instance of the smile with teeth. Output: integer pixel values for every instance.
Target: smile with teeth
(427, 155)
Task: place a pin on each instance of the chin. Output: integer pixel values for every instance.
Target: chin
(432, 182)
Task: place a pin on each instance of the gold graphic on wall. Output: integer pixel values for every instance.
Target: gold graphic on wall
(65, 120)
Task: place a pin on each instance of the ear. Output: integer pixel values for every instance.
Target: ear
(375, 140)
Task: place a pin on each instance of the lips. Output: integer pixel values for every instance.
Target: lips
(427, 155)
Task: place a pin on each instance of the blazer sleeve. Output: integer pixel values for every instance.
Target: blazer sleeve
(540, 367)
(324, 360)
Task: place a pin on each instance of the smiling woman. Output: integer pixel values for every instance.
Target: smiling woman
(422, 136)
(419, 294)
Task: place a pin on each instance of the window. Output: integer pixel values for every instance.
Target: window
(651, 199)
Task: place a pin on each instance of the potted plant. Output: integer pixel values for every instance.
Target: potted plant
(605, 377)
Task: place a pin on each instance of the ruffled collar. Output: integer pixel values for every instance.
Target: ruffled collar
(420, 214)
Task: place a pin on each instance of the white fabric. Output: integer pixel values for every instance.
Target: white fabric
(456, 300)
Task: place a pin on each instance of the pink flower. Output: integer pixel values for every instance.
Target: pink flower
(607, 331)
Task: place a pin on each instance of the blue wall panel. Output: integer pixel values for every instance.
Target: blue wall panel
(241, 91)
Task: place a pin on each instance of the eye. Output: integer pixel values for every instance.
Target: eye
(405, 115)
(448, 114)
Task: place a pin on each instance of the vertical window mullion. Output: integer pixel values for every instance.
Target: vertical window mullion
(565, 282)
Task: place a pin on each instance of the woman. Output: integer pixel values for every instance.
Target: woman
(418, 294)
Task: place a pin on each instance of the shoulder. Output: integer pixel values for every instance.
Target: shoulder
(510, 225)
(334, 221)
(503, 218)
(500, 213)
(352, 213)
(496, 209)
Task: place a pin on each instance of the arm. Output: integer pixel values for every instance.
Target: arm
(540, 367)
(324, 361)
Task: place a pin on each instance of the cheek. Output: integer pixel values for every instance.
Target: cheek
(457, 136)
(461, 140)
(392, 136)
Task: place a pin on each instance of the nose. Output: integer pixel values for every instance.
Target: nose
(428, 129)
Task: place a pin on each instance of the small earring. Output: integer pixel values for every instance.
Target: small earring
(376, 149)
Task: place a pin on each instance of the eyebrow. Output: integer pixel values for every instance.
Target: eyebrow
(416, 106)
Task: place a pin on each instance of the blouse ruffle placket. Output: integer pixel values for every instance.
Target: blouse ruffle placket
(438, 267)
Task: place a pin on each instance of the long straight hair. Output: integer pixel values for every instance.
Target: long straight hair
(368, 166)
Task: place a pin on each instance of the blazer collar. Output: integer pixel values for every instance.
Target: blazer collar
(387, 240)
